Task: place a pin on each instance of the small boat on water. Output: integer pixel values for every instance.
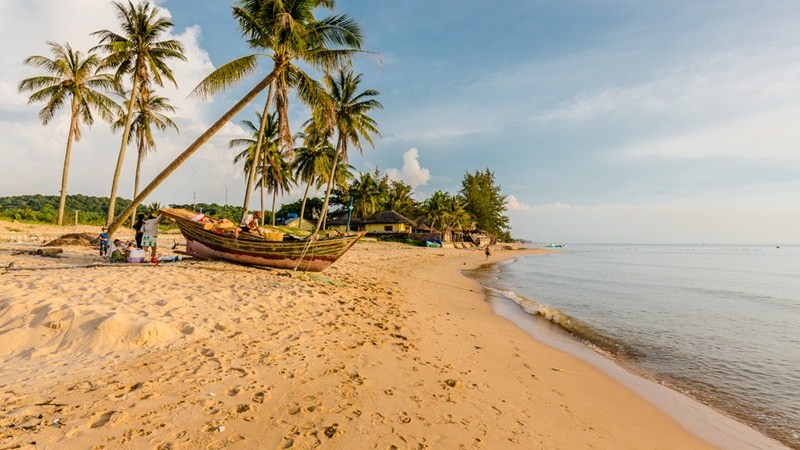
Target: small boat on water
(313, 255)
(553, 245)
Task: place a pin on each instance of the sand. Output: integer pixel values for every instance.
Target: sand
(391, 347)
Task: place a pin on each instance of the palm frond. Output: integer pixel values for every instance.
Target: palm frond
(225, 76)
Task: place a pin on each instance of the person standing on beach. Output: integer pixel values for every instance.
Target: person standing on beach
(103, 241)
(488, 252)
(150, 233)
(139, 227)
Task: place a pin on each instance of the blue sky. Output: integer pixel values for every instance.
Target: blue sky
(604, 121)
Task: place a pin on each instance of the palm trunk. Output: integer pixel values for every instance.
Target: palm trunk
(263, 185)
(274, 197)
(136, 180)
(112, 202)
(65, 174)
(339, 148)
(191, 149)
(303, 205)
(251, 176)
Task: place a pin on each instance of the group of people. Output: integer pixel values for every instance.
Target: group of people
(146, 237)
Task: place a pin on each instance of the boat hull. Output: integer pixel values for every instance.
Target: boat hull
(313, 256)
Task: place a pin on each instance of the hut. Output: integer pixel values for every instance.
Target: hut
(388, 222)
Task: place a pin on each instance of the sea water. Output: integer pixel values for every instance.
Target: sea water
(719, 323)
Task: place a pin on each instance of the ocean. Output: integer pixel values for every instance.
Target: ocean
(718, 323)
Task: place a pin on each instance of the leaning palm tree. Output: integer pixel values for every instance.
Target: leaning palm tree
(319, 43)
(148, 113)
(137, 51)
(287, 31)
(347, 115)
(249, 153)
(71, 77)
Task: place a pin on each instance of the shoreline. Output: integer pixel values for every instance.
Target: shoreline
(702, 420)
(390, 346)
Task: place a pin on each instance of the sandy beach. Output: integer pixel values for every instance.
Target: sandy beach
(391, 347)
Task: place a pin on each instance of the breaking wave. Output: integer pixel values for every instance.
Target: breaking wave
(589, 335)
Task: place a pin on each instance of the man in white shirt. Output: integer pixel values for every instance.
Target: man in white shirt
(150, 236)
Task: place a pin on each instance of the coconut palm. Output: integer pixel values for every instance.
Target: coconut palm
(347, 115)
(148, 113)
(138, 52)
(366, 194)
(398, 198)
(71, 77)
(287, 31)
(248, 154)
(320, 43)
(276, 174)
(458, 216)
(312, 162)
(436, 210)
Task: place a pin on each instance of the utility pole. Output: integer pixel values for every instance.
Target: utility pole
(194, 201)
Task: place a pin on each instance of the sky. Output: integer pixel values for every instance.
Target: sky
(608, 121)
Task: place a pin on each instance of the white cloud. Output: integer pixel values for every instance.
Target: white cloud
(412, 172)
(33, 154)
(770, 135)
(513, 204)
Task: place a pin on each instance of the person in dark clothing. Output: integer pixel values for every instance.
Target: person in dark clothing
(139, 227)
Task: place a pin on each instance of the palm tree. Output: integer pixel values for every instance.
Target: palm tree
(74, 78)
(248, 154)
(347, 115)
(276, 174)
(366, 195)
(322, 43)
(312, 162)
(458, 216)
(399, 198)
(289, 31)
(436, 210)
(148, 113)
(138, 52)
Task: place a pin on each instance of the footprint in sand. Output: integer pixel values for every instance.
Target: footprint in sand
(104, 418)
(258, 397)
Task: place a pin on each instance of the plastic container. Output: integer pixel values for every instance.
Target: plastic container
(136, 256)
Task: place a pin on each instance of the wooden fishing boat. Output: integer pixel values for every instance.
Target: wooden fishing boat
(308, 255)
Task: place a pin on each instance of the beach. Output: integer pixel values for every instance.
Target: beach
(390, 347)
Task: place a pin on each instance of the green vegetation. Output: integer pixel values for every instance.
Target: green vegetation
(485, 203)
(42, 208)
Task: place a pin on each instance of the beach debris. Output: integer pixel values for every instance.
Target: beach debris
(84, 239)
(221, 428)
(330, 431)
(52, 251)
(452, 383)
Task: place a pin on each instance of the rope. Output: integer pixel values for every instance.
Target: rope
(309, 240)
